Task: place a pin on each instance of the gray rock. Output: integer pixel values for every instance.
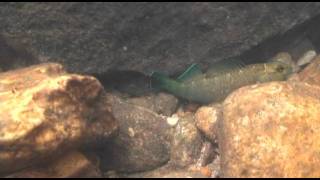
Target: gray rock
(97, 37)
(143, 140)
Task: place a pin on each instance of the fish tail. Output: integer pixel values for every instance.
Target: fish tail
(163, 82)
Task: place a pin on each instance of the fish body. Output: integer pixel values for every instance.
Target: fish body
(208, 87)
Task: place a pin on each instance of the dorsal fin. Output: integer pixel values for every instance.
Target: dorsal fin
(192, 71)
(224, 66)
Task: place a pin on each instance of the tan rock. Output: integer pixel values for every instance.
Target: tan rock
(271, 130)
(45, 112)
(206, 120)
(71, 165)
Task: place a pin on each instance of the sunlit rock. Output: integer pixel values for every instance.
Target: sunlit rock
(44, 112)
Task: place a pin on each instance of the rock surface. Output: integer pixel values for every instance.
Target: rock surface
(97, 37)
(186, 144)
(71, 165)
(143, 140)
(46, 112)
(207, 118)
(271, 130)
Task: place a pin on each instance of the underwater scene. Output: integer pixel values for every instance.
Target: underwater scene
(159, 89)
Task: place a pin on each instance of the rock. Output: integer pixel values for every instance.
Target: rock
(161, 103)
(145, 37)
(71, 165)
(306, 58)
(186, 144)
(215, 167)
(173, 120)
(271, 130)
(168, 171)
(207, 154)
(206, 120)
(143, 140)
(310, 74)
(46, 112)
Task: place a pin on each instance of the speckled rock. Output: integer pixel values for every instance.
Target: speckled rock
(45, 112)
(143, 140)
(187, 142)
(71, 165)
(206, 119)
(271, 130)
(101, 36)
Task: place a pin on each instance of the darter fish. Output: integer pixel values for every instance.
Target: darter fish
(220, 80)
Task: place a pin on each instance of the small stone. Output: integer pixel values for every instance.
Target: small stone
(311, 73)
(186, 144)
(173, 120)
(306, 58)
(206, 120)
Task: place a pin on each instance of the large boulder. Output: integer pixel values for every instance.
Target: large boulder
(45, 112)
(97, 37)
(271, 130)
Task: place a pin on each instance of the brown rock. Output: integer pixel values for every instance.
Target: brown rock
(71, 165)
(206, 120)
(271, 130)
(46, 112)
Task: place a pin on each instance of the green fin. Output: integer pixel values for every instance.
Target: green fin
(224, 66)
(192, 71)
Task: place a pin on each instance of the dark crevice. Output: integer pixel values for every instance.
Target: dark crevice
(296, 41)
(128, 82)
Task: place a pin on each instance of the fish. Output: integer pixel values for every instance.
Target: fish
(219, 80)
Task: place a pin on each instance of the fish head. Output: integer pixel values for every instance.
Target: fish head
(275, 71)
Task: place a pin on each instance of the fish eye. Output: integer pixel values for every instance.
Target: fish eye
(280, 69)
